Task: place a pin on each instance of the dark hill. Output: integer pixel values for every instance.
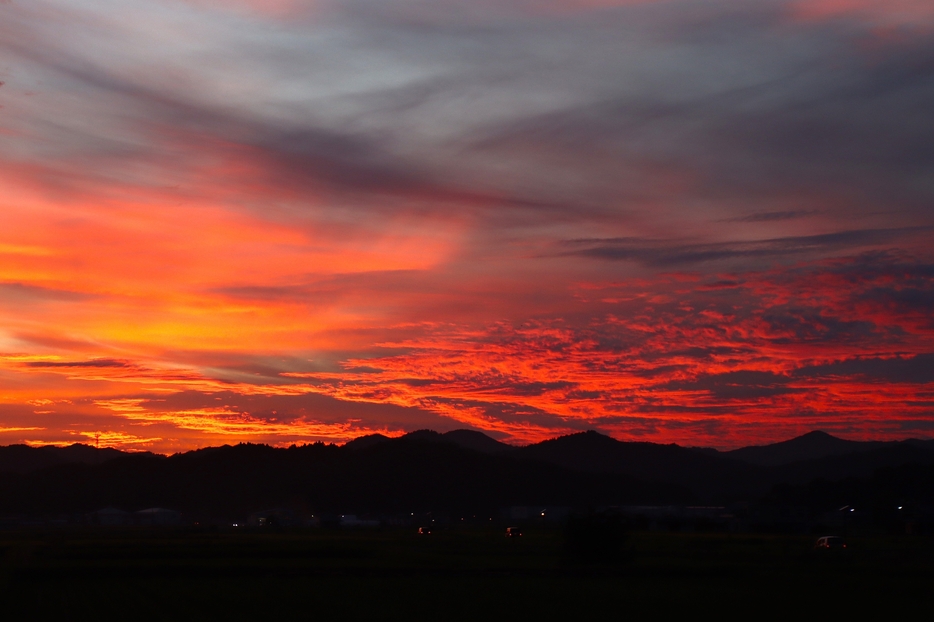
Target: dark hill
(858, 464)
(23, 458)
(811, 446)
(707, 475)
(411, 475)
(362, 442)
(477, 441)
(468, 439)
(459, 471)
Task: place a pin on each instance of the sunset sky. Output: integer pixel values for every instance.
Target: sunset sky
(287, 221)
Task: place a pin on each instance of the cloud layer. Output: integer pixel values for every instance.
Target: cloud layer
(702, 222)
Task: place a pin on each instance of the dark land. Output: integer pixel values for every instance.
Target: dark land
(456, 573)
(607, 528)
(815, 481)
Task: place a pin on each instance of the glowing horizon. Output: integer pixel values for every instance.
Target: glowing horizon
(677, 221)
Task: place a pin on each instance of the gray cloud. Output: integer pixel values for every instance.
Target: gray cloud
(95, 363)
(566, 114)
(309, 406)
(664, 253)
(736, 385)
(26, 291)
(774, 216)
(911, 369)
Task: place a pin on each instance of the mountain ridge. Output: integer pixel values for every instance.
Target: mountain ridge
(454, 471)
(814, 445)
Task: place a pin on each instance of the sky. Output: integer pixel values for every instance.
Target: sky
(290, 221)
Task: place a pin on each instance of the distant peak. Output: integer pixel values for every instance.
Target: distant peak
(427, 435)
(367, 440)
(817, 434)
(590, 436)
(467, 439)
(475, 440)
(464, 432)
(593, 434)
(811, 446)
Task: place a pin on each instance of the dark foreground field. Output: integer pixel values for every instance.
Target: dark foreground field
(453, 574)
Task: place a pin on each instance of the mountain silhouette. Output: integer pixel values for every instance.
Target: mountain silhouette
(810, 446)
(362, 442)
(477, 441)
(462, 471)
(400, 476)
(23, 458)
(468, 439)
(596, 453)
(861, 463)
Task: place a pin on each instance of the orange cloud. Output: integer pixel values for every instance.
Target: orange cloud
(228, 423)
(648, 222)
